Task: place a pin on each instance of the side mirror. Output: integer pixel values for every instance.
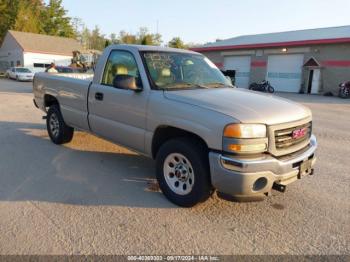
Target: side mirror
(126, 82)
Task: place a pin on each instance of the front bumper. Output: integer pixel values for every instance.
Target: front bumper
(247, 177)
(25, 78)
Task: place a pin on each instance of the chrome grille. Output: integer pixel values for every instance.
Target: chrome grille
(284, 138)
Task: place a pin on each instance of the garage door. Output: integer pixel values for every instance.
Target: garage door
(242, 66)
(284, 72)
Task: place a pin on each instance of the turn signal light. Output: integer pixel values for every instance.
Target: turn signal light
(247, 148)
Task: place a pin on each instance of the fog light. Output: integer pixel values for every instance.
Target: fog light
(260, 184)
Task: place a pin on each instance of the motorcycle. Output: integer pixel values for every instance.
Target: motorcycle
(263, 86)
(344, 91)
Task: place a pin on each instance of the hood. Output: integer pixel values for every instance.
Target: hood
(243, 105)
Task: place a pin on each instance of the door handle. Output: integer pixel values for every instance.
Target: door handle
(99, 96)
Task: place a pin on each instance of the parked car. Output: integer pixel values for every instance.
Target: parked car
(177, 107)
(20, 74)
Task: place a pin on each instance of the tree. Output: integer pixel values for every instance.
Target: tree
(176, 42)
(126, 38)
(97, 40)
(85, 36)
(8, 11)
(56, 21)
(28, 17)
(78, 26)
(114, 39)
(107, 43)
(144, 37)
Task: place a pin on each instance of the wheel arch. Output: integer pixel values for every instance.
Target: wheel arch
(165, 133)
(50, 100)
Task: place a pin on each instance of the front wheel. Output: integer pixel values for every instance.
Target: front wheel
(344, 93)
(183, 172)
(59, 131)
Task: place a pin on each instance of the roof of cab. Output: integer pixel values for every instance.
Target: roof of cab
(151, 48)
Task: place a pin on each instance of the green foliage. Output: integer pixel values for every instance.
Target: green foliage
(55, 20)
(176, 42)
(97, 40)
(8, 13)
(127, 38)
(28, 17)
(144, 37)
(107, 42)
(114, 39)
(36, 17)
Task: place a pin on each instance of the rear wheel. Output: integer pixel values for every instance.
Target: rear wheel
(270, 89)
(59, 132)
(253, 86)
(183, 172)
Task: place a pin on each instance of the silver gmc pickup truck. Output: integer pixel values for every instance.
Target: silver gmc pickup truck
(177, 107)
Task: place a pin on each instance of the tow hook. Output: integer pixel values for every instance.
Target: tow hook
(280, 188)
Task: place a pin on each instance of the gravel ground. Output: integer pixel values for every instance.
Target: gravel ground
(93, 197)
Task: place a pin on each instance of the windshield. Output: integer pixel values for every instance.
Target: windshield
(23, 70)
(171, 70)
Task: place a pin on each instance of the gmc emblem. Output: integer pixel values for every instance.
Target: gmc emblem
(299, 133)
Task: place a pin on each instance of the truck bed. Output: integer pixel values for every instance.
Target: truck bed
(71, 90)
(82, 76)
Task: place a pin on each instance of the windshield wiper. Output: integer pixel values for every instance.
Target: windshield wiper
(177, 86)
(218, 84)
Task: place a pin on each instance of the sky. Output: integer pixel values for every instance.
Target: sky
(201, 21)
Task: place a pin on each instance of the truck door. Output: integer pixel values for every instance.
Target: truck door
(119, 115)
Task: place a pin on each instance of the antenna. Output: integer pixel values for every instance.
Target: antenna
(157, 26)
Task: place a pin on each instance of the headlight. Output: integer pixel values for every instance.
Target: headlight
(245, 138)
(245, 131)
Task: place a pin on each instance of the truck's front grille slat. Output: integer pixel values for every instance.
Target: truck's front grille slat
(292, 136)
(289, 143)
(290, 130)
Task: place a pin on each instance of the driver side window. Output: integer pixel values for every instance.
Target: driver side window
(120, 63)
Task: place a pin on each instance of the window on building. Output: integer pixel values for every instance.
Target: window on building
(18, 63)
(12, 64)
(41, 65)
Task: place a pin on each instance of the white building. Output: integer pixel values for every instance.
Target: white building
(37, 51)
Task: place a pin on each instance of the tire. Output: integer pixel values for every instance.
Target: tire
(253, 86)
(59, 132)
(270, 89)
(192, 157)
